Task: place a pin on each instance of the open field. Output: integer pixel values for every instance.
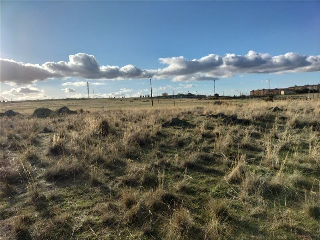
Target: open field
(244, 169)
(98, 105)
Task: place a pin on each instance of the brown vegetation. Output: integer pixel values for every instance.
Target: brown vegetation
(225, 171)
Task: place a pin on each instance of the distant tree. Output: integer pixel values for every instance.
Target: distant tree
(216, 95)
(304, 90)
(164, 94)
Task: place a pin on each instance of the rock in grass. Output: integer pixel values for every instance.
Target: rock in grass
(42, 112)
(276, 109)
(9, 113)
(65, 110)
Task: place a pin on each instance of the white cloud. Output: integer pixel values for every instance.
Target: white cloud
(82, 83)
(188, 85)
(69, 90)
(209, 67)
(76, 84)
(24, 93)
(213, 66)
(2, 98)
(21, 73)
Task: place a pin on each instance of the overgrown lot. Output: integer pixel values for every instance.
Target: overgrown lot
(229, 171)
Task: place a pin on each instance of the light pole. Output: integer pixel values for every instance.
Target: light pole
(88, 88)
(151, 92)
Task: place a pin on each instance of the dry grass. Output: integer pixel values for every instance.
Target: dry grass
(234, 170)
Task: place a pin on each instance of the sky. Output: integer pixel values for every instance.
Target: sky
(50, 49)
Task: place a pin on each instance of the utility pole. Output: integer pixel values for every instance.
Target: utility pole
(214, 87)
(151, 92)
(88, 88)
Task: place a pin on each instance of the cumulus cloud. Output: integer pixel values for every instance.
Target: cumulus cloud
(69, 90)
(21, 73)
(23, 93)
(79, 65)
(210, 67)
(86, 66)
(214, 67)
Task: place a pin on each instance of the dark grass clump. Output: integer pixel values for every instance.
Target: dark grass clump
(20, 228)
(33, 158)
(170, 199)
(219, 210)
(197, 160)
(313, 210)
(56, 150)
(64, 172)
(150, 180)
(132, 180)
(57, 228)
(132, 151)
(138, 215)
(103, 128)
(39, 200)
(12, 176)
(176, 122)
(129, 199)
(46, 130)
(7, 190)
(182, 226)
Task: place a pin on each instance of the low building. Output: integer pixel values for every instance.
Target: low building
(286, 91)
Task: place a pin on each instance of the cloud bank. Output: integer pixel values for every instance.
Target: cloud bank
(210, 67)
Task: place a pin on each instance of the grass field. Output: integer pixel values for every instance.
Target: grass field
(99, 105)
(244, 169)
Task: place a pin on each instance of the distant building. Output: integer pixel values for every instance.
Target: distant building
(285, 91)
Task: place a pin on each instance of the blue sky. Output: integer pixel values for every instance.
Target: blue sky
(139, 33)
